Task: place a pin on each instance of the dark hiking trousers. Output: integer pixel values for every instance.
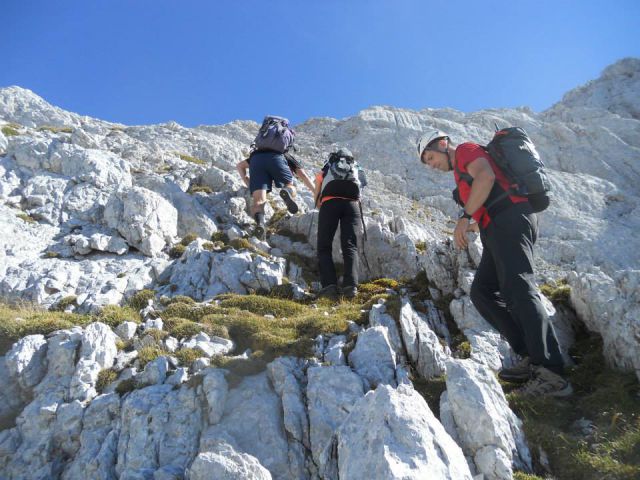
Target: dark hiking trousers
(504, 290)
(333, 212)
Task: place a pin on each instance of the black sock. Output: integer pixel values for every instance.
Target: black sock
(259, 218)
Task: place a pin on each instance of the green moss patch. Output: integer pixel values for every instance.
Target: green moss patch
(140, 300)
(293, 335)
(178, 299)
(64, 303)
(177, 251)
(114, 315)
(219, 236)
(55, 129)
(25, 217)
(105, 378)
(10, 131)
(244, 244)
(190, 311)
(19, 321)
(261, 305)
(149, 354)
(195, 188)
(182, 328)
(190, 159)
(558, 293)
(188, 238)
(186, 356)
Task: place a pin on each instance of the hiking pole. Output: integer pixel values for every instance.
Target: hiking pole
(310, 226)
(364, 237)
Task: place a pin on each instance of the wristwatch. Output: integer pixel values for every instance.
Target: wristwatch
(464, 214)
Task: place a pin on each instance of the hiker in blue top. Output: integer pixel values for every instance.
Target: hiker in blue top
(269, 163)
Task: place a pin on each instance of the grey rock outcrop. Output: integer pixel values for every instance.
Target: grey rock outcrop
(488, 430)
(402, 438)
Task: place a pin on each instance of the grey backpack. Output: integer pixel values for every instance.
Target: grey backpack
(343, 176)
(274, 134)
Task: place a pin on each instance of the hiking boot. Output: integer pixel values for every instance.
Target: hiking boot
(260, 233)
(330, 291)
(349, 292)
(286, 194)
(520, 372)
(545, 382)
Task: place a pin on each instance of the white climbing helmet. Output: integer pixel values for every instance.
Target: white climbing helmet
(428, 138)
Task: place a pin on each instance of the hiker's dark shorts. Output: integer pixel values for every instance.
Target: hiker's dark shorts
(266, 168)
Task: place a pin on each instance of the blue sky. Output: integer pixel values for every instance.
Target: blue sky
(210, 62)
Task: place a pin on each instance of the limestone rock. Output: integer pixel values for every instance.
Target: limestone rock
(489, 431)
(373, 358)
(402, 438)
(26, 361)
(146, 220)
(423, 345)
(223, 462)
(332, 393)
(98, 351)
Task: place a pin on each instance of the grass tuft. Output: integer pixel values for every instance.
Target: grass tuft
(261, 305)
(25, 217)
(195, 188)
(114, 315)
(10, 131)
(22, 320)
(126, 386)
(188, 238)
(149, 354)
(219, 236)
(177, 250)
(558, 294)
(55, 129)
(186, 356)
(64, 303)
(140, 300)
(190, 159)
(105, 378)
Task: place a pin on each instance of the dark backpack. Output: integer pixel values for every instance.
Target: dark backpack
(517, 157)
(343, 177)
(274, 134)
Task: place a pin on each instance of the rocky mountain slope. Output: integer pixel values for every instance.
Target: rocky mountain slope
(95, 212)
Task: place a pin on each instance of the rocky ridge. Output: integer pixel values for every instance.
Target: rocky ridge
(95, 212)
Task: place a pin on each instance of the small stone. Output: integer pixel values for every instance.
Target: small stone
(126, 330)
(178, 377)
(200, 364)
(154, 323)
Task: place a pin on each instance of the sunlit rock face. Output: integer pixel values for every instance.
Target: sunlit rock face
(96, 211)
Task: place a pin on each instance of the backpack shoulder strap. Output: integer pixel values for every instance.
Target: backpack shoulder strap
(464, 176)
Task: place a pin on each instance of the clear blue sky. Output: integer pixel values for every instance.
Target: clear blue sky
(210, 62)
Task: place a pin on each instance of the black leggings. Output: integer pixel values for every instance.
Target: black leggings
(504, 289)
(333, 212)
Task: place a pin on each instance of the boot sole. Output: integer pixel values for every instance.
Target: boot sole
(291, 205)
(514, 378)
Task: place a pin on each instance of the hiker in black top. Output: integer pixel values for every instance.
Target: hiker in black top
(266, 168)
(337, 193)
(504, 290)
